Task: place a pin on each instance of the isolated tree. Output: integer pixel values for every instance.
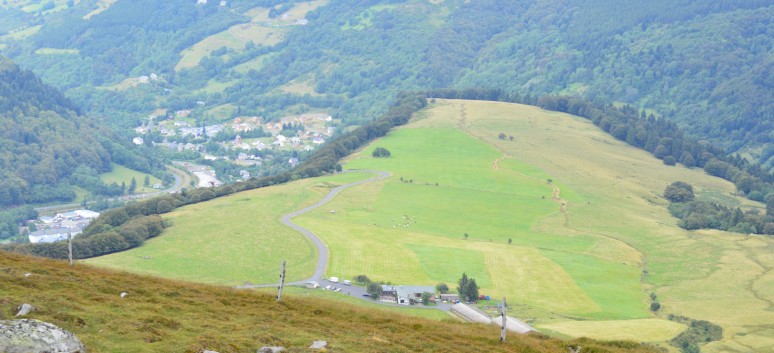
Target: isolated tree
(669, 160)
(654, 306)
(381, 152)
(510, 241)
(501, 136)
(132, 186)
(466, 236)
(362, 279)
(426, 298)
(472, 290)
(374, 289)
(679, 192)
(146, 183)
(510, 137)
(462, 284)
(442, 288)
(467, 288)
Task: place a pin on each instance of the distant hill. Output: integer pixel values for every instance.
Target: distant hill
(47, 148)
(167, 316)
(705, 64)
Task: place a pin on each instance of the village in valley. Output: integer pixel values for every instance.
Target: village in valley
(246, 141)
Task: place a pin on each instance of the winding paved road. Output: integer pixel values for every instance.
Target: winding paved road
(322, 260)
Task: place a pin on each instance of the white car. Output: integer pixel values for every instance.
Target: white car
(334, 279)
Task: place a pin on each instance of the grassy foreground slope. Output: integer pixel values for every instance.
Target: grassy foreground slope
(167, 316)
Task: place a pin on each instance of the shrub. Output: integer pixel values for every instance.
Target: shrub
(381, 152)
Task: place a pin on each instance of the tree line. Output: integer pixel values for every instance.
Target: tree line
(702, 214)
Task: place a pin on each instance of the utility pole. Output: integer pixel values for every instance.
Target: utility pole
(70, 247)
(282, 281)
(502, 333)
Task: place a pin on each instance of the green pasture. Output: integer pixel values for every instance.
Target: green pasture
(237, 36)
(254, 64)
(232, 240)
(55, 51)
(21, 34)
(121, 174)
(643, 330)
(102, 5)
(614, 196)
(300, 86)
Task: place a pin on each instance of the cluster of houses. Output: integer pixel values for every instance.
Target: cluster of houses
(311, 130)
(57, 228)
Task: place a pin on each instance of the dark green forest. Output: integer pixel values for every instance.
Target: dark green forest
(704, 65)
(47, 148)
(689, 81)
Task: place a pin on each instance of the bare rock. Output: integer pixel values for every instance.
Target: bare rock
(27, 274)
(319, 345)
(208, 351)
(124, 294)
(34, 336)
(25, 309)
(271, 349)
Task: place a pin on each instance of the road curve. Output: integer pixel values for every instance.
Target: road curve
(322, 260)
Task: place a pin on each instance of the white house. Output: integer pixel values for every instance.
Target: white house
(87, 214)
(52, 235)
(408, 295)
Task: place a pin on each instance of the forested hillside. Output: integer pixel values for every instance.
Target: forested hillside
(704, 64)
(47, 148)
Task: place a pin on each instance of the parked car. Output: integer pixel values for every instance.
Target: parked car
(347, 282)
(334, 279)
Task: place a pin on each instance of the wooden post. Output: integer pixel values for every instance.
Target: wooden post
(502, 332)
(70, 247)
(282, 281)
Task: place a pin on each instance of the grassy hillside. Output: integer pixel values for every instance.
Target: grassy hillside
(232, 240)
(167, 316)
(590, 235)
(121, 174)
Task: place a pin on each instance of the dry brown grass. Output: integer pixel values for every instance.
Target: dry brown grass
(169, 316)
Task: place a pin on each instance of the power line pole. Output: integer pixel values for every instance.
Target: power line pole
(70, 247)
(282, 281)
(502, 332)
